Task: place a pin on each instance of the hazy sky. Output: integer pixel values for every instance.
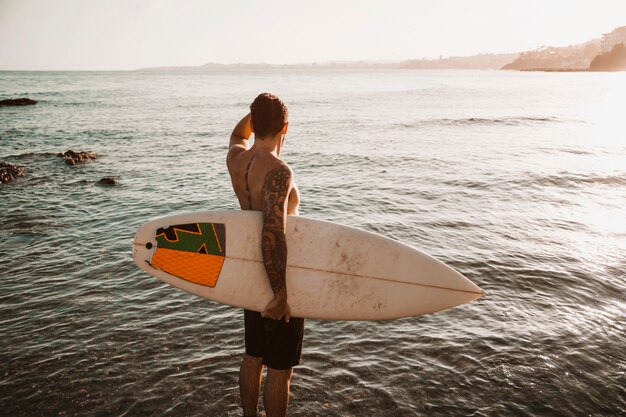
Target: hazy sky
(129, 34)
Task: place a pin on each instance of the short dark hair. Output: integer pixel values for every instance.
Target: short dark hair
(269, 114)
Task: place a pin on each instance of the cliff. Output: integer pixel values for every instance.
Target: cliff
(615, 60)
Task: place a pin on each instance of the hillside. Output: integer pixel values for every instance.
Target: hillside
(605, 54)
(573, 57)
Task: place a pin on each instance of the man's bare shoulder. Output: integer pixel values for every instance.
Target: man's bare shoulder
(234, 152)
(278, 165)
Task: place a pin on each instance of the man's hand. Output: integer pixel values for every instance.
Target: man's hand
(277, 309)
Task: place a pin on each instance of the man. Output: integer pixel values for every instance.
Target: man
(265, 183)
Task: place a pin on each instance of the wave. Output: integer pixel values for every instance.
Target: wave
(560, 180)
(568, 180)
(31, 155)
(482, 121)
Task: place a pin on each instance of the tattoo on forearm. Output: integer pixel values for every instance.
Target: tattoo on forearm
(274, 243)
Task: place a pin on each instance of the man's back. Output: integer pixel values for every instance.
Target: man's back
(249, 170)
(264, 183)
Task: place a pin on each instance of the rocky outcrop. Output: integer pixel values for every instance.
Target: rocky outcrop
(9, 172)
(17, 102)
(72, 158)
(611, 61)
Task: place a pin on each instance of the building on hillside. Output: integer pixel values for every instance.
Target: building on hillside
(609, 40)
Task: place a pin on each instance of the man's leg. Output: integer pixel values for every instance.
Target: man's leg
(276, 392)
(250, 383)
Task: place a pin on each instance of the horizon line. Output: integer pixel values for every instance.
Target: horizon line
(309, 63)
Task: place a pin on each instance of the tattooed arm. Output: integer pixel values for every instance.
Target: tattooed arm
(274, 243)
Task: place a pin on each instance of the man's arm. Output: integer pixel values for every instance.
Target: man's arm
(274, 243)
(240, 137)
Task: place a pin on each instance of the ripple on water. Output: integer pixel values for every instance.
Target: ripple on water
(507, 197)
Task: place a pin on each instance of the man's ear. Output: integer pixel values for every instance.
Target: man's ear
(285, 127)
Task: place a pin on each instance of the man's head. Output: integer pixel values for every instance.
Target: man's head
(269, 116)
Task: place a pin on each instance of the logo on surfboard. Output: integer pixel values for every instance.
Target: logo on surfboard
(194, 252)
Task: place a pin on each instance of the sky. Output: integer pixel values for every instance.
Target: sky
(131, 34)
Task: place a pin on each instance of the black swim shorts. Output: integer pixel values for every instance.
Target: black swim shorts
(277, 342)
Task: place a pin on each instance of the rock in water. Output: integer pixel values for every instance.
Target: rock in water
(18, 102)
(9, 172)
(107, 181)
(73, 158)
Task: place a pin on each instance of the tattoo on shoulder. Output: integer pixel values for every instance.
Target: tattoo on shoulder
(278, 179)
(274, 197)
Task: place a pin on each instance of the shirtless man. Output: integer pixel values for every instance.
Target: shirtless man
(265, 183)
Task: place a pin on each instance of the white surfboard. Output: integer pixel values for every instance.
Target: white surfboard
(334, 272)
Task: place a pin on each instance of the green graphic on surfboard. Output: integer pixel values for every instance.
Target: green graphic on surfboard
(205, 238)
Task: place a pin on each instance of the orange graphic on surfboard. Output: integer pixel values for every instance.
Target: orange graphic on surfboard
(194, 252)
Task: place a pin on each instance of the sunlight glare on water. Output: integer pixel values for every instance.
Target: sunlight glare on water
(607, 115)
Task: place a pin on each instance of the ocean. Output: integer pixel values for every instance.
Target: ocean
(517, 180)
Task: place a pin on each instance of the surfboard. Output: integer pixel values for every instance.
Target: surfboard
(334, 272)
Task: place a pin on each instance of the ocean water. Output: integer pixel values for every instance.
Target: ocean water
(518, 180)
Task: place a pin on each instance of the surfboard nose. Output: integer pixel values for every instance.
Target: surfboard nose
(470, 287)
(475, 288)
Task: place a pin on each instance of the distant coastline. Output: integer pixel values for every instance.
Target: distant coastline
(479, 61)
(572, 58)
